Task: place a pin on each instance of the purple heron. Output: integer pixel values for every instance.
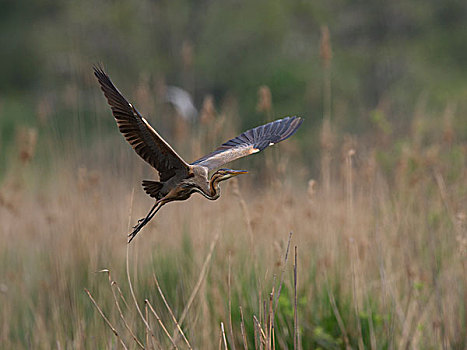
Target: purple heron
(178, 180)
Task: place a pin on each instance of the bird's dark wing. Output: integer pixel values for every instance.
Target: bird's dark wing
(142, 137)
(251, 141)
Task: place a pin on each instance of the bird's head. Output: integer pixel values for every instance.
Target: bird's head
(225, 174)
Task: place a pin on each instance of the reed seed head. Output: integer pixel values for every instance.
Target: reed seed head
(264, 99)
(208, 111)
(325, 47)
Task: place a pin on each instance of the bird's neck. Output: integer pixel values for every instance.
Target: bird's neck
(211, 191)
(214, 190)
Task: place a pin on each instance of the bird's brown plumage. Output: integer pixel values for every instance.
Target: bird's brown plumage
(147, 143)
(178, 179)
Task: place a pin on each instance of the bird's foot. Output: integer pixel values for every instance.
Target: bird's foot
(136, 229)
(132, 235)
(139, 223)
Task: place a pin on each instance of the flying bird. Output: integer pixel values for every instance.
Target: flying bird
(178, 180)
(182, 101)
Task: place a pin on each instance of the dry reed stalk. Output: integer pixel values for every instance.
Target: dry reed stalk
(295, 322)
(420, 321)
(448, 129)
(264, 104)
(326, 59)
(208, 112)
(326, 134)
(407, 326)
(8, 204)
(198, 284)
(349, 187)
(282, 274)
(260, 298)
(44, 110)
(417, 127)
(106, 319)
(280, 340)
(187, 54)
(354, 257)
(272, 164)
(160, 323)
(311, 191)
(337, 314)
(130, 284)
(270, 321)
(273, 339)
(204, 314)
(327, 144)
(243, 205)
(265, 320)
(387, 286)
(433, 244)
(262, 335)
(435, 276)
(223, 336)
(242, 330)
(256, 335)
(444, 197)
(146, 313)
(180, 130)
(207, 134)
(232, 339)
(372, 329)
(325, 47)
(354, 252)
(143, 94)
(220, 338)
(462, 250)
(26, 141)
(120, 293)
(177, 325)
(187, 65)
(117, 304)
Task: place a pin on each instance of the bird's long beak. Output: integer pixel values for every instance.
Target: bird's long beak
(238, 172)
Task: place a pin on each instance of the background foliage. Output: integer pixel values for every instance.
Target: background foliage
(373, 185)
(386, 55)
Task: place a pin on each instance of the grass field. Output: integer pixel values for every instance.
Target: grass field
(379, 241)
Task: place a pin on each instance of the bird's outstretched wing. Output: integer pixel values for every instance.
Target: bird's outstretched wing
(147, 143)
(251, 141)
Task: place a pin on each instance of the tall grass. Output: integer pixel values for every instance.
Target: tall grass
(380, 252)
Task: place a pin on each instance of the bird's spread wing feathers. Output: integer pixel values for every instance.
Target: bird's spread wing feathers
(251, 141)
(147, 143)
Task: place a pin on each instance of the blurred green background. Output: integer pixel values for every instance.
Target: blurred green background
(388, 59)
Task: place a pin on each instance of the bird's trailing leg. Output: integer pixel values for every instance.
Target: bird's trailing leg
(142, 222)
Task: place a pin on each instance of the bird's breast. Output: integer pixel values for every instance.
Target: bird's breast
(180, 193)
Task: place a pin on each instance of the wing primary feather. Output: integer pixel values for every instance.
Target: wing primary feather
(147, 143)
(251, 141)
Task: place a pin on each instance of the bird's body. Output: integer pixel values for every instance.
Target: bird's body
(178, 180)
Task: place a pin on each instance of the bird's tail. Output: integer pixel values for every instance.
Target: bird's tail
(152, 188)
(142, 222)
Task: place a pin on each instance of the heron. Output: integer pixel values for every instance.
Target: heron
(178, 180)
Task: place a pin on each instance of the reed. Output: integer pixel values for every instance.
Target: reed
(381, 260)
